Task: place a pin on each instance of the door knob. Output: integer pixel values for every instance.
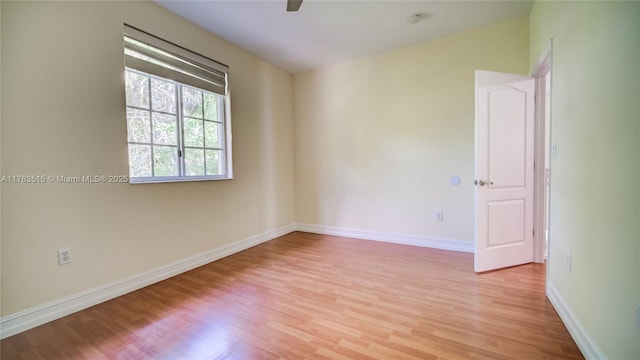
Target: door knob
(483, 182)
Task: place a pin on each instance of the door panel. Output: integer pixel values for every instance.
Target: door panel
(506, 131)
(506, 223)
(504, 170)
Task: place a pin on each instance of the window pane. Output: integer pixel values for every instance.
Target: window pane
(139, 160)
(165, 161)
(138, 126)
(191, 102)
(193, 133)
(137, 89)
(212, 134)
(211, 106)
(165, 129)
(214, 162)
(194, 162)
(163, 96)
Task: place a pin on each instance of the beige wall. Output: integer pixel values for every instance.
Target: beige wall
(595, 197)
(64, 114)
(378, 138)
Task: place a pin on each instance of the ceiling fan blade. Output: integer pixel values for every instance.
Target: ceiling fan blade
(293, 5)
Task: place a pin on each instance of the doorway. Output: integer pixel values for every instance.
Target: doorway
(512, 199)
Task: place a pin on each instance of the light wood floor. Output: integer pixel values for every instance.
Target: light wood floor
(306, 296)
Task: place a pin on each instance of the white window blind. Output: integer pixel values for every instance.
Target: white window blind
(155, 56)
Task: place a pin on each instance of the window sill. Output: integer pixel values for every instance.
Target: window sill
(158, 180)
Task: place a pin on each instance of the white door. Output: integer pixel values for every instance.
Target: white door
(504, 150)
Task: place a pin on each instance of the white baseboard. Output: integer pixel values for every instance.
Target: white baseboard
(30, 318)
(444, 244)
(589, 349)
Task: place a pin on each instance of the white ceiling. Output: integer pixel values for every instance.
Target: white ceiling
(325, 32)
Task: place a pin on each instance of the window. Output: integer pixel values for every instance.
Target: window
(178, 122)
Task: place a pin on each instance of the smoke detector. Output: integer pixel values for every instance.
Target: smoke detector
(417, 17)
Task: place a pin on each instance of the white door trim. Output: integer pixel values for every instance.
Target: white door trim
(541, 69)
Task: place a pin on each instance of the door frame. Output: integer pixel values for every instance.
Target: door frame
(541, 220)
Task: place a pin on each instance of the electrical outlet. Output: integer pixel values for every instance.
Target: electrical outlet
(567, 260)
(64, 256)
(638, 317)
(439, 216)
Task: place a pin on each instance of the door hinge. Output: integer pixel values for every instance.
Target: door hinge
(179, 153)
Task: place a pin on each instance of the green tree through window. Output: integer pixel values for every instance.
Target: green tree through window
(174, 130)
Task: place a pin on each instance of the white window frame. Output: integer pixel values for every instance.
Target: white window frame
(216, 84)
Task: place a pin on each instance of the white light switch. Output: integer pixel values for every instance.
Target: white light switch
(567, 260)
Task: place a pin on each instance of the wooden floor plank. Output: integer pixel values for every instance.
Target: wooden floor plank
(307, 296)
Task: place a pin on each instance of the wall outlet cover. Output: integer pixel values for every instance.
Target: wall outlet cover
(64, 256)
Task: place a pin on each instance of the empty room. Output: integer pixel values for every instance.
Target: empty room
(319, 179)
